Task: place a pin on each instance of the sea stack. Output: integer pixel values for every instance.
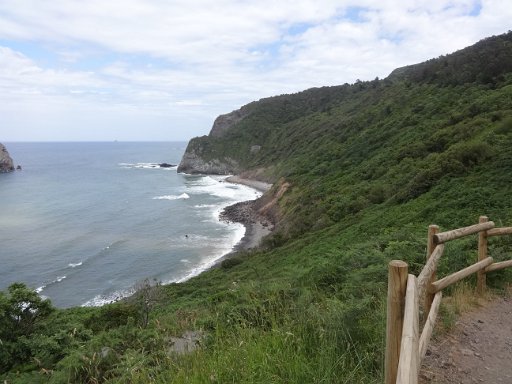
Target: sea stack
(6, 164)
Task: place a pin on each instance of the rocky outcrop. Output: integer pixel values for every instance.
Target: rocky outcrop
(6, 164)
(192, 162)
(201, 156)
(222, 123)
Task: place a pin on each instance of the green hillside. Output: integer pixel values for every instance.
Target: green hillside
(370, 166)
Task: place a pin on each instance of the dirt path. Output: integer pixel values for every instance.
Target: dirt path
(477, 350)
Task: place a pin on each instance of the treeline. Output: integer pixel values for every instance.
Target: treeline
(486, 62)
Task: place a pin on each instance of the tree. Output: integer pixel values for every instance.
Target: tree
(146, 297)
(21, 309)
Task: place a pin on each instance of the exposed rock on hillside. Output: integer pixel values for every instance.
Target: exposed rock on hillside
(224, 122)
(196, 159)
(193, 162)
(6, 164)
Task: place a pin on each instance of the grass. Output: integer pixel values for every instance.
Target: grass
(462, 299)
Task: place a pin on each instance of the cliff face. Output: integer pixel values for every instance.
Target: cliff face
(222, 123)
(6, 164)
(194, 162)
(199, 157)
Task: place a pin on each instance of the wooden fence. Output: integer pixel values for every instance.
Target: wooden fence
(405, 346)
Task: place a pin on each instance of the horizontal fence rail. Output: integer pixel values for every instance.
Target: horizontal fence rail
(499, 231)
(443, 237)
(405, 346)
(441, 284)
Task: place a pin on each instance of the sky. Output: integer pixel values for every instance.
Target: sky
(162, 70)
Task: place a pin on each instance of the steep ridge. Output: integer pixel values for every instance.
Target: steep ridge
(355, 145)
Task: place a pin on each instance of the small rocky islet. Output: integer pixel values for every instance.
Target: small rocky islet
(6, 163)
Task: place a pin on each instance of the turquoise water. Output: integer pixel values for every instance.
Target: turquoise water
(84, 222)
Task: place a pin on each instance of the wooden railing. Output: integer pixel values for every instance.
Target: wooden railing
(405, 347)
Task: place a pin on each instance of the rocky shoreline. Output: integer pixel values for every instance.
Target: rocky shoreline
(257, 226)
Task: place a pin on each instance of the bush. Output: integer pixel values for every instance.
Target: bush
(231, 262)
(111, 316)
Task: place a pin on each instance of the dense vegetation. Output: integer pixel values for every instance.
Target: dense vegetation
(370, 165)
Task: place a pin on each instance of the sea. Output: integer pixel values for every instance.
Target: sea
(84, 223)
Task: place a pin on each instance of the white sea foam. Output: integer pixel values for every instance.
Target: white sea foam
(237, 235)
(202, 181)
(217, 186)
(73, 265)
(145, 166)
(172, 197)
(197, 238)
(205, 206)
(57, 280)
(100, 300)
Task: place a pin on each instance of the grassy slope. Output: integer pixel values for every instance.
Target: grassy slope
(371, 165)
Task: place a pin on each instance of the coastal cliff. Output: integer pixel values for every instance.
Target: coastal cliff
(196, 160)
(6, 163)
(222, 123)
(347, 148)
(204, 157)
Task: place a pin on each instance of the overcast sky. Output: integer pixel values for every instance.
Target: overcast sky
(74, 70)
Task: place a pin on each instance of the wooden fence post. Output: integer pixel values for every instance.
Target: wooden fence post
(397, 285)
(482, 254)
(409, 365)
(429, 297)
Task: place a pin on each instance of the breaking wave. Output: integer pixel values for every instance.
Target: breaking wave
(100, 300)
(146, 166)
(172, 197)
(57, 280)
(74, 265)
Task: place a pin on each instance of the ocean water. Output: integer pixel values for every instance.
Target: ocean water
(84, 222)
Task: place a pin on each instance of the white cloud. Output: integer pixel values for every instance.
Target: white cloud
(181, 63)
